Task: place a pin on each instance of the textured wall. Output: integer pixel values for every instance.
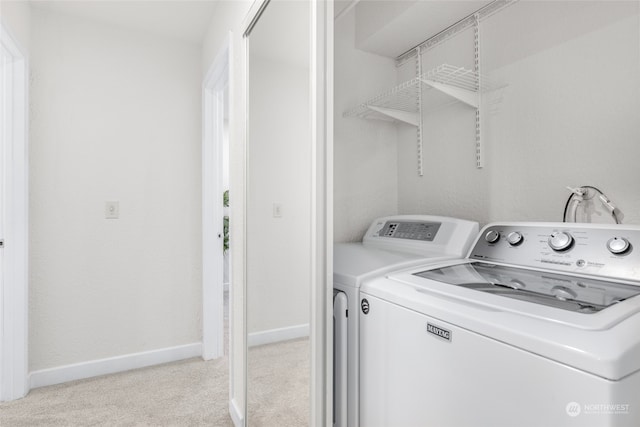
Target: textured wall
(560, 119)
(115, 116)
(564, 112)
(451, 184)
(365, 151)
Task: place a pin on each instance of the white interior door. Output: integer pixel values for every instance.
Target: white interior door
(13, 220)
(5, 88)
(213, 164)
(5, 133)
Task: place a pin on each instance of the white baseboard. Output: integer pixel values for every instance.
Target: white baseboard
(276, 335)
(236, 413)
(111, 365)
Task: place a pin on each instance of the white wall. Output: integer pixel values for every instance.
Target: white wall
(566, 113)
(568, 116)
(278, 261)
(115, 116)
(451, 184)
(229, 17)
(365, 151)
(16, 16)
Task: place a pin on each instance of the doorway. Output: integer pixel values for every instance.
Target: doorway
(13, 220)
(216, 277)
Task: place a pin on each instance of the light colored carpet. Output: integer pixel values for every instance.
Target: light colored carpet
(185, 393)
(279, 383)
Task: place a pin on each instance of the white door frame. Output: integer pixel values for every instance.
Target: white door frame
(321, 336)
(14, 289)
(213, 90)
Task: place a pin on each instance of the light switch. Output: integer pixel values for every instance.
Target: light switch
(277, 210)
(111, 210)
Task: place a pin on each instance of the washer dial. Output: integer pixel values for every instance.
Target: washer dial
(560, 241)
(492, 236)
(514, 238)
(618, 245)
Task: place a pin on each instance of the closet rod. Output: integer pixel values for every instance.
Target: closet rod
(454, 29)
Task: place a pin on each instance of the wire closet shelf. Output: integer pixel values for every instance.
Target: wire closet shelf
(402, 102)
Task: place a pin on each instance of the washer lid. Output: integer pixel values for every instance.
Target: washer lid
(567, 292)
(354, 262)
(605, 343)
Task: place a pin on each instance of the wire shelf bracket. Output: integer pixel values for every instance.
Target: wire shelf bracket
(466, 96)
(400, 115)
(476, 60)
(404, 103)
(420, 119)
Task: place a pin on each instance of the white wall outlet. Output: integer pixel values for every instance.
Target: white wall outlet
(277, 210)
(111, 210)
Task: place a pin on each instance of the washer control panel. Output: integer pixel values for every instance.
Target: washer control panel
(593, 249)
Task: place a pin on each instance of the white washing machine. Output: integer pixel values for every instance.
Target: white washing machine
(390, 243)
(538, 326)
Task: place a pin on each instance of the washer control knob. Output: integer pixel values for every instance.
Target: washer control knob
(492, 236)
(560, 241)
(514, 238)
(618, 245)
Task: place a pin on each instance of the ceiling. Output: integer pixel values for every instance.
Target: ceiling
(186, 20)
(383, 27)
(390, 28)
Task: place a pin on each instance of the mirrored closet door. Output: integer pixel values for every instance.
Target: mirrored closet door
(278, 233)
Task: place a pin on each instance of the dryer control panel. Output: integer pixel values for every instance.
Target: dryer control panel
(413, 230)
(422, 235)
(593, 249)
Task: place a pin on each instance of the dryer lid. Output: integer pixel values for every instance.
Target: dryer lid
(354, 262)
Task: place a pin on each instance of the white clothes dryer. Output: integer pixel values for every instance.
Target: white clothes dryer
(390, 243)
(538, 326)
